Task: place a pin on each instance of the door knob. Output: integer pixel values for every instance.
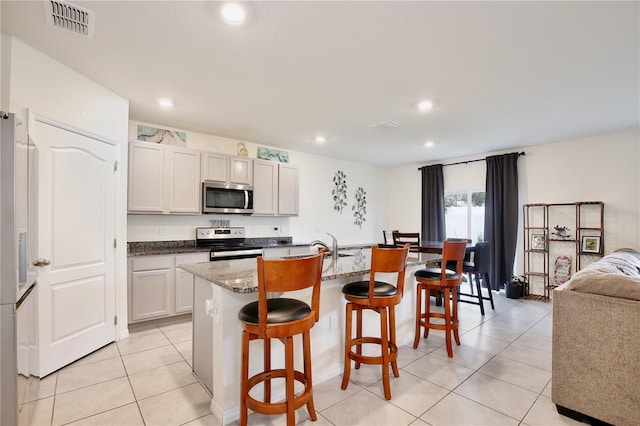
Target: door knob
(41, 262)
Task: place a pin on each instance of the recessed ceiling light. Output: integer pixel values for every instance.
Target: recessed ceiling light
(320, 139)
(425, 105)
(429, 144)
(233, 13)
(165, 102)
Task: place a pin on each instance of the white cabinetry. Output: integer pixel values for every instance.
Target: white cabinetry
(150, 288)
(265, 187)
(214, 166)
(288, 181)
(146, 178)
(228, 169)
(163, 179)
(159, 288)
(275, 191)
(184, 281)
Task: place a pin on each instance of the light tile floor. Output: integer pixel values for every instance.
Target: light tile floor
(500, 375)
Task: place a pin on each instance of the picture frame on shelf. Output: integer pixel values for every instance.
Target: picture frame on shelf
(590, 244)
(538, 242)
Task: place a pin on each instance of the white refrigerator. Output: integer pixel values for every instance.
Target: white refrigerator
(18, 276)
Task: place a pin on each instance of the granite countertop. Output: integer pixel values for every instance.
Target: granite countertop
(241, 276)
(149, 248)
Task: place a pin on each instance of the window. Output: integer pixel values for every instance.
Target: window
(465, 219)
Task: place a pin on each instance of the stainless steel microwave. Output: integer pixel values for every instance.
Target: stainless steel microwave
(227, 198)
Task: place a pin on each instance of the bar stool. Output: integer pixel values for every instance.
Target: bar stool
(444, 280)
(479, 269)
(280, 318)
(380, 297)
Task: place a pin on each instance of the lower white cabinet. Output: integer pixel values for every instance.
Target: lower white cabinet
(159, 288)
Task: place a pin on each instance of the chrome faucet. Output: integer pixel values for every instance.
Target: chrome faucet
(333, 250)
(334, 246)
(321, 244)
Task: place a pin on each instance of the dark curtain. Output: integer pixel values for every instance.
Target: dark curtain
(433, 228)
(501, 215)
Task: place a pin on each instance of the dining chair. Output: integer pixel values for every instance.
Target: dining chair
(387, 236)
(401, 238)
(381, 297)
(443, 280)
(281, 318)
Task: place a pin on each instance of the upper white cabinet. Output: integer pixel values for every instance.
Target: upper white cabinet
(163, 179)
(226, 168)
(146, 178)
(214, 166)
(265, 187)
(288, 190)
(275, 188)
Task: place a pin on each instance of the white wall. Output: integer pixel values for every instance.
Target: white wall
(598, 168)
(50, 89)
(316, 217)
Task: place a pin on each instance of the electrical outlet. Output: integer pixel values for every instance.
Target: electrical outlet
(162, 231)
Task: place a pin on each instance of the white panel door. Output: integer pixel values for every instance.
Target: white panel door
(76, 224)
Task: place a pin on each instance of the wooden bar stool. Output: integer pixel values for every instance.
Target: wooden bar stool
(280, 318)
(444, 280)
(382, 298)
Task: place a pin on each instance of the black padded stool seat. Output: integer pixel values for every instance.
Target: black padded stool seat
(435, 274)
(361, 289)
(380, 297)
(280, 319)
(278, 311)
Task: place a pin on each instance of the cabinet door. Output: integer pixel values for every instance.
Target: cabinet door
(241, 170)
(146, 174)
(214, 167)
(183, 180)
(150, 294)
(288, 189)
(265, 187)
(184, 282)
(184, 291)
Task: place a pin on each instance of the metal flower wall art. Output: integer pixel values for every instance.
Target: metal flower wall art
(360, 207)
(339, 191)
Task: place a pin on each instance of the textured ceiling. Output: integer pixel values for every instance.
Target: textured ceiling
(501, 74)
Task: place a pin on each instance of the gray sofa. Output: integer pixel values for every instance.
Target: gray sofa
(596, 341)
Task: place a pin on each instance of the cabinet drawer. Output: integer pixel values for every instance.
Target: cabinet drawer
(147, 263)
(191, 258)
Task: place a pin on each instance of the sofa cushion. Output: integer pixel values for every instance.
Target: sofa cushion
(608, 284)
(615, 275)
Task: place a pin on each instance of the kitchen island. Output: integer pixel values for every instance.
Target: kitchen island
(221, 288)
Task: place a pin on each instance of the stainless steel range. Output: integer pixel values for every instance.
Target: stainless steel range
(226, 243)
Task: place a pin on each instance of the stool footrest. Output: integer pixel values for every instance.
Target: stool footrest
(277, 407)
(369, 359)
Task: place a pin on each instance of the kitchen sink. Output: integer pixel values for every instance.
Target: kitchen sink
(340, 254)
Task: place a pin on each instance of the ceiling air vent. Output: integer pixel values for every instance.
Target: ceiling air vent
(70, 17)
(385, 125)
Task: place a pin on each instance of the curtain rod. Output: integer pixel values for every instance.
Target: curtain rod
(469, 161)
